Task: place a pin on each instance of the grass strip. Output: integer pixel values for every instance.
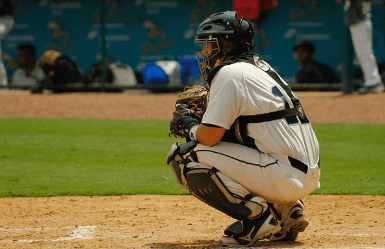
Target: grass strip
(75, 157)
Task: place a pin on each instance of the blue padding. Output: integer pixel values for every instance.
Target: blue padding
(189, 68)
(154, 75)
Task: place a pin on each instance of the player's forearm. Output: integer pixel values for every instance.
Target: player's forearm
(209, 136)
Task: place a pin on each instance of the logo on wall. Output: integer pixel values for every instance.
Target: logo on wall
(10, 63)
(61, 38)
(45, 2)
(57, 6)
(262, 41)
(157, 36)
(112, 10)
(306, 8)
(18, 10)
(203, 9)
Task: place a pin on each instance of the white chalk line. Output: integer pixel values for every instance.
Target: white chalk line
(81, 232)
(350, 234)
(36, 228)
(84, 232)
(87, 232)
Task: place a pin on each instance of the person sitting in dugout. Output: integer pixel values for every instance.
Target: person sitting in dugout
(60, 70)
(310, 70)
(27, 73)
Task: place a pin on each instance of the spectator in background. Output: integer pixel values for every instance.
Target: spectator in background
(358, 18)
(6, 24)
(310, 70)
(60, 69)
(27, 73)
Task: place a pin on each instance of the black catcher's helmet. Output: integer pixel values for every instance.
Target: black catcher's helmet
(222, 34)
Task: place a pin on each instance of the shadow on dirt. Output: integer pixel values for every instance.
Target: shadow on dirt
(211, 244)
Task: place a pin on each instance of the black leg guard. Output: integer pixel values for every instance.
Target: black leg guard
(206, 186)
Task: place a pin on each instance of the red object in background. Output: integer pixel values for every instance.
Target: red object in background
(251, 9)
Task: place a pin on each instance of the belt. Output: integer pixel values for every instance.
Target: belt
(300, 165)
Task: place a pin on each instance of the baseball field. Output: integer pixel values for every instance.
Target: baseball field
(70, 213)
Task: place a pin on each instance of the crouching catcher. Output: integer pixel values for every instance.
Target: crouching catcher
(250, 150)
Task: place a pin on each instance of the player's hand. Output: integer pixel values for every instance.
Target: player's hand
(180, 125)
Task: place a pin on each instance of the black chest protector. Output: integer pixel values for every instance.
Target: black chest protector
(238, 131)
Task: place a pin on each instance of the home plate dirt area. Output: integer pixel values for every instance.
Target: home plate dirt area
(156, 221)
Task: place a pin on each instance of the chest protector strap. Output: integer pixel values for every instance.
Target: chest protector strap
(238, 129)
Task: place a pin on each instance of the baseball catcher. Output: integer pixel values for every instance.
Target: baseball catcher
(250, 150)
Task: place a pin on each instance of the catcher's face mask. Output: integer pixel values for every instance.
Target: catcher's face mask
(208, 55)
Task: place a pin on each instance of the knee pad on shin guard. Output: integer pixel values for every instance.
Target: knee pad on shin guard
(205, 184)
(177, 158)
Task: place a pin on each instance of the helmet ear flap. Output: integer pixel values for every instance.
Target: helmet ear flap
(244, 35)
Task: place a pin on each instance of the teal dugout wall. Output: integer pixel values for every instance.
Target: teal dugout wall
(141, 31)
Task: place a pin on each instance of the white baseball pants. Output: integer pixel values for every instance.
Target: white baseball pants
(362, 38)
(263, 175)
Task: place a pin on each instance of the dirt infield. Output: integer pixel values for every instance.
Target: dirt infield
(320, 107)
(152, 221)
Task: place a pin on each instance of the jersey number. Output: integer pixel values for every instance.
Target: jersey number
(293, 119)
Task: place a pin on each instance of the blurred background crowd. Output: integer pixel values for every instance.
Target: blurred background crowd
(120, 44)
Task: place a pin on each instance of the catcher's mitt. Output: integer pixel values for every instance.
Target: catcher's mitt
(190, 106)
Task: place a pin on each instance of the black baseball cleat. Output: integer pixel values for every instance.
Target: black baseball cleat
(292, 226)
(247, 232)
(377, 88)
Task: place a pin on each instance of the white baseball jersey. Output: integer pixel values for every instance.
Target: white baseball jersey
(243, 89)
(6, 24)
(20, 77)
